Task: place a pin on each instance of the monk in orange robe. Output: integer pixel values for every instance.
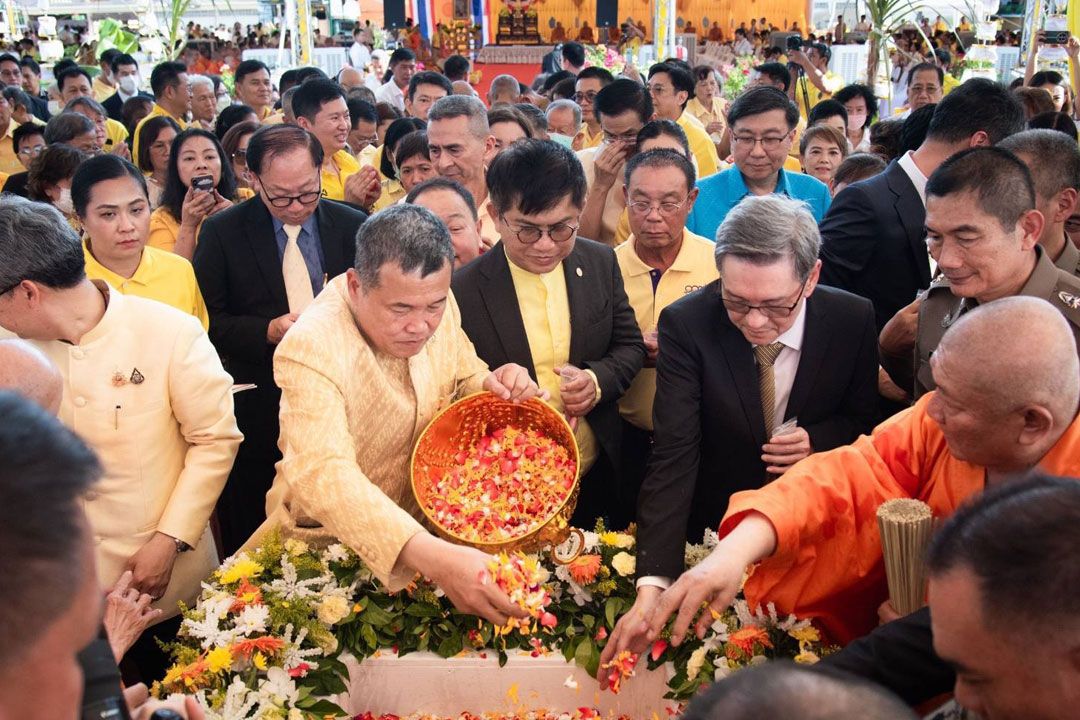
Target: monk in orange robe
(1008, 393)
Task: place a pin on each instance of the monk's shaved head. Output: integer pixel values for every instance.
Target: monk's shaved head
(1016, 351)
(784, 690)
(26, 370)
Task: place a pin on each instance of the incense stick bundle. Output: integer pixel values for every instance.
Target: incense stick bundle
(906, 526)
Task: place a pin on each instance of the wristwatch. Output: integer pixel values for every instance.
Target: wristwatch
(181, 546)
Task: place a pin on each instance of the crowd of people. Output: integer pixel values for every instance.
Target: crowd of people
(764, 314)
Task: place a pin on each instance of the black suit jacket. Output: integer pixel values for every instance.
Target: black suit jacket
(707, 417)
(39, 108)
(114, 105)
(900, 656)
(239, 272)
(604, 336)
(874, 242)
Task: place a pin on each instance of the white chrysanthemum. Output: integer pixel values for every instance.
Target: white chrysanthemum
(209, 630)
(290, 587)
(336, 553)
(278, 688)
(294, 653)
(333, 609)
(252, 620)
(592, 540)
(238, 702)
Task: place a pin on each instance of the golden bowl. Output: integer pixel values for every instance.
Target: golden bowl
(459, 427)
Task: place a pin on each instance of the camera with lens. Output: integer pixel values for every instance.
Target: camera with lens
(794, 42)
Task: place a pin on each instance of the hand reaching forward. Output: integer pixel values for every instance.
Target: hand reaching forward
(711, 586)
(461, 572)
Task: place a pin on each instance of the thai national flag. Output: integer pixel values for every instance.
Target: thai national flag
(423, 17)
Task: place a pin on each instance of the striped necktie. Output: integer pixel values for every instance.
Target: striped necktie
(766, 356)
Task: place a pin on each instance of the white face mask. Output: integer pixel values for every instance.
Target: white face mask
(129, 84)
(64, 204)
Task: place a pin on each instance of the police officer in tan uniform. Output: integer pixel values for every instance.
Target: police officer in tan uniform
(1053, 158)
(983, 230)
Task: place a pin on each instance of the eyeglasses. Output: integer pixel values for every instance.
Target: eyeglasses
(590, 96)
(369, 140)
(770, 311)
(559, 232)
(284, 201)
(769, 143)
(923, 89)
(240, 156)
(628, 137)
(667, 209)
(32, 151)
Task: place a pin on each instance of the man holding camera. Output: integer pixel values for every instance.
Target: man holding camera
(814, 80)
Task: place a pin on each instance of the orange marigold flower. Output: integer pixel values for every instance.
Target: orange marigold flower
(746, 638)
(266, 645)
(584, 568)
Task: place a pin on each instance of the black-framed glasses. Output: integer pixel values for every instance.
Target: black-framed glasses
(579, 96)
(667, 209)
(528, 234)
(771, 142)
(628, 137)
(770, 311)
(284, 201)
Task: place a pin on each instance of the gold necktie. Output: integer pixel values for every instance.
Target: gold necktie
(766, 356)
(295, 271)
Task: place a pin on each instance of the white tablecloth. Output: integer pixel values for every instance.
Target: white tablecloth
(513, 54)
(426, 683)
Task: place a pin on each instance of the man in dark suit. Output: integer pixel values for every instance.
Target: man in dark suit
(259, 264)
(125, 71)
(555, 304)
(756, 371)
(873, 240)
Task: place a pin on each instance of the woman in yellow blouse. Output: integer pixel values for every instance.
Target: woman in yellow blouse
(175, 225)
(155, 143)
(111, 200)
(707, 105)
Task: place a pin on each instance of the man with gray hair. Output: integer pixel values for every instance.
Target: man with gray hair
(74, 129)
(461, 146)
(1054, 161)
(112, 135)
(203, 101)
(564, 118)
(137, 374)
(756, 371)
(373, 359)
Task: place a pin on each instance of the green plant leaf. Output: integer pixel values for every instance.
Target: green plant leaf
(612, 608)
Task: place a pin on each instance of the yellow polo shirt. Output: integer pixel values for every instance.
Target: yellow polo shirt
(714, 112)
(701, 145)
(832, 82)
(950, 84)
(694, 267)
(115, 134)
(164, 228)
(9, 159)
(333, 184)
(588, 140)
(545, 311)
(156, 111)
(102, 90)
(160, 276)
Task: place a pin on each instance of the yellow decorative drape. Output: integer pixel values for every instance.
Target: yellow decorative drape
(573, 13)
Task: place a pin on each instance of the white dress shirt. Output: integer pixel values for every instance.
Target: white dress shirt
(907, 164)
(784, 369)
(389, 92)
(359, 55)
